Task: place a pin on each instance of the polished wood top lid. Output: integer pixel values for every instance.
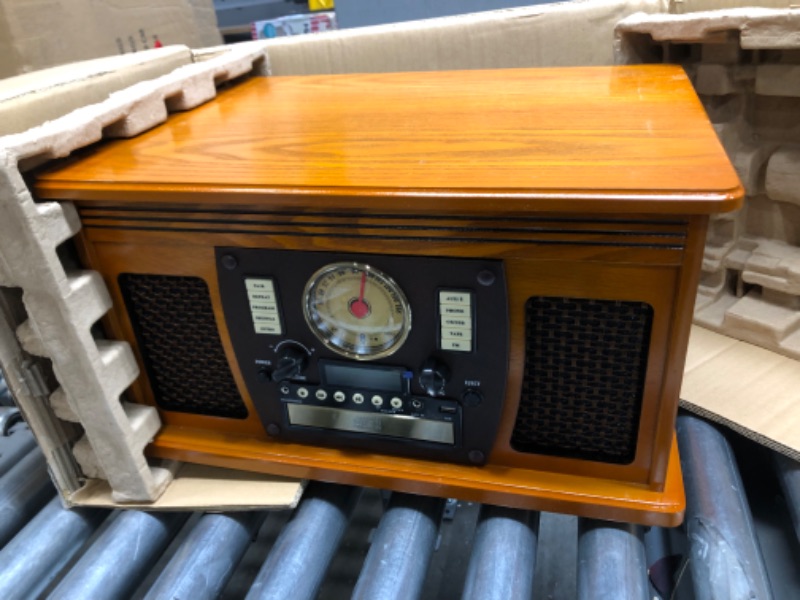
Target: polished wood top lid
(602, 139)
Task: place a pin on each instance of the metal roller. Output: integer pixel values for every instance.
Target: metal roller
(611, 561)
(5, 394)
(503, 555)
(297, 563)
(398, 558)
(118, 560)
(207, 558)
(9, 417)
(24, 489)
(726, 560)
(18, 445)
(38, 553)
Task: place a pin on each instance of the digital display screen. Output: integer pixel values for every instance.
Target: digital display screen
(389, 379)
(401, 426)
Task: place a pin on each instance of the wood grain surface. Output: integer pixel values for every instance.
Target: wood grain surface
(602, 139)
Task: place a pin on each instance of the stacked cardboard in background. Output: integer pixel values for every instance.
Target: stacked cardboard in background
(745, 65)
(35, 34)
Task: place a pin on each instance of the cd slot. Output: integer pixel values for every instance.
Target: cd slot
(391, 425)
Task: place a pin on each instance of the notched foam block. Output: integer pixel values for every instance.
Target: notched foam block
(62, 306)
(144, 113)
(757, 28)
(774, 266)
(728, 53)
(145, 423)
(778, 80)
(29, 339)
(59, 221)
(715, 80)
(783, 175)
(62, 407)
(119, 364)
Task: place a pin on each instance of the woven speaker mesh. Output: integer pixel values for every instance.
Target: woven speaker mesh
(178, 339)
(585, 363)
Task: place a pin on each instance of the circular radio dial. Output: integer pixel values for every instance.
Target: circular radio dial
(356, 310)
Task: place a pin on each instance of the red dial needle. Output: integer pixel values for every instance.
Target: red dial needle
(359, 307)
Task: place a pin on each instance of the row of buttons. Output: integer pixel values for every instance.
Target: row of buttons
(455, 321)
(264, 306)
(357, 398)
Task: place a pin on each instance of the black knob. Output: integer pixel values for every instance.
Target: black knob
(292, 361)
(433, 376)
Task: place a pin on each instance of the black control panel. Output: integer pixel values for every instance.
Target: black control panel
(393, 354)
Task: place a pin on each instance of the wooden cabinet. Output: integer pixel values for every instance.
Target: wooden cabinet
(567, 206)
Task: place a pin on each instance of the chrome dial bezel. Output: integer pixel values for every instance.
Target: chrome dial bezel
(314, 320)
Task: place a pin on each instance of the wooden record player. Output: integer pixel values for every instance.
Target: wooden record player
(473, 284)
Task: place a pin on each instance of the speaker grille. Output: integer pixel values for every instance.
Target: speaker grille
(585, 364)
(178, 339)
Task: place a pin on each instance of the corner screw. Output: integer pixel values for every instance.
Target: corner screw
(486, 278)
(229, 262)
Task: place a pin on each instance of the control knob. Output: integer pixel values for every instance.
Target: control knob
(292, 361)
(434, 376)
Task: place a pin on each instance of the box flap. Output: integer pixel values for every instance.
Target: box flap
(197, 487)
(749, 389)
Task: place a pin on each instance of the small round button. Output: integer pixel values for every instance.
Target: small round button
(472, 398)
(358, 398)
(396, 402)
(377, 401)
(302, 392)
(321, 394)
(339, 396)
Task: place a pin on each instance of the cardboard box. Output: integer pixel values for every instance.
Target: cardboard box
(542, 35)
(35, 34)
(750, 388)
